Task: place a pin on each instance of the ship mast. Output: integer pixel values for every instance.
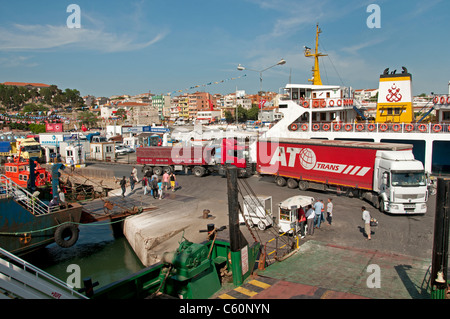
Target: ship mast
(316, 80)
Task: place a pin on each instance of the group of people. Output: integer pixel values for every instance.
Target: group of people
(314, 216)
(151, 184)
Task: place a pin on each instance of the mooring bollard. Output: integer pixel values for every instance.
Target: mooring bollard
(206, 213)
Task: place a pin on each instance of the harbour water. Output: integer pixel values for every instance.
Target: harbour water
(99, 254)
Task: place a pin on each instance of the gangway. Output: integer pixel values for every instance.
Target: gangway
(22, 280)
(10, 189)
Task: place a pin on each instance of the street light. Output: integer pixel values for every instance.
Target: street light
(241, 68)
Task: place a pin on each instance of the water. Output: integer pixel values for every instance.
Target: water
(100, 256)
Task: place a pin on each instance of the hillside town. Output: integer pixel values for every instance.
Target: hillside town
(40, 101)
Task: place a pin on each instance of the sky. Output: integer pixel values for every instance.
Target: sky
(133, 47)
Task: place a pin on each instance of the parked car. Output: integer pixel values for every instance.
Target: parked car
(129, 149)
(120, 150)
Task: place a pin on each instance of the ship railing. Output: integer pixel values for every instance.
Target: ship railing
(320, 103)
(20, 279)
(421, 128)
(32, 203)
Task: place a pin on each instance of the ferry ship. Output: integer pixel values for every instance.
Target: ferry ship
(318, 111)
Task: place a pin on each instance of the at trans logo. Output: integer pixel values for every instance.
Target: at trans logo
(308, 160)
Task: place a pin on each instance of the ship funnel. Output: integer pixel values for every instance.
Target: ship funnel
(395, 97)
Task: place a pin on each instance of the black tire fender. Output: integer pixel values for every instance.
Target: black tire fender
(66, 235)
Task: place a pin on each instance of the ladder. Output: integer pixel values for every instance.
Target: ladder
(21, 280)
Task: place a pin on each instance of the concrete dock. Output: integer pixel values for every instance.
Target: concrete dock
(161, 228)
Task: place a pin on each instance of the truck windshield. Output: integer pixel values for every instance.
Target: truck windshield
(408, 179)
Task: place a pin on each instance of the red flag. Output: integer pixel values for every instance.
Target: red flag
(261, 103)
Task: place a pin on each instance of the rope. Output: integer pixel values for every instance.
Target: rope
(49, 228)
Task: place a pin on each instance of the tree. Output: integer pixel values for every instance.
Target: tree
(228, 117)
(88, 118)
(253, 113)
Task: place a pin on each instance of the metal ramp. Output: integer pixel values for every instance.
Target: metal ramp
(9, 189)
(21, 280)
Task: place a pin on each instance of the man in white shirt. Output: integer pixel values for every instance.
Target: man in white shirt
(329, 211)
(366, 218)
(310, 216)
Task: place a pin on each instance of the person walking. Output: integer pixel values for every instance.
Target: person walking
(160, 189)
(145, 184)
(366, 218)
(132, 181)
(330, 211)
(123, 185)
(173, 180)
(154, 185)
(310, 216)
(318, 206)
(302, 221)
(134, 173)
(166, 180)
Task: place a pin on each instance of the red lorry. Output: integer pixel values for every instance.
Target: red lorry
(385, 174)
(199, 159)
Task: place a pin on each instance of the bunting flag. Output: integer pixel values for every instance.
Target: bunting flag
(206, 84)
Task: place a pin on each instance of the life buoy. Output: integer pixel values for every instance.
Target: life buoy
(337, 127)
(348, 127)
(442, 99)
(66, 235)
(383, 127)
(437, 128)
(396, 127)
(316, 127)
(305, 104)
(294, 127)
(331, 103)
(339, 103)
(360, 127)
(304, 127)
(422, 128)
(436, 100)
(448, 99)
(371, 127)
(326, 127)
(315, 103)
(409, 127)
(323, 103)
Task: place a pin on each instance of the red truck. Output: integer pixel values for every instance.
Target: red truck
(199, 159)
(385, 174)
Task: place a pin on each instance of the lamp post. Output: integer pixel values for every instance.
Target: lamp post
(241, 68)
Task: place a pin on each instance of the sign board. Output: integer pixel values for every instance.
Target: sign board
(54, 127)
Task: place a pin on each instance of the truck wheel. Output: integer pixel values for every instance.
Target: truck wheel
(198, 171)
(167, 169)
(303, 185)
(280, 181)
(382, 205)
(292, 183)
(157, 170)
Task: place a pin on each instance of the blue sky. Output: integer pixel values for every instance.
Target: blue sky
(131, 47)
